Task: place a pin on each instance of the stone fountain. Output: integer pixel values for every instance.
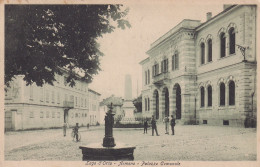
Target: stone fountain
(109, 150)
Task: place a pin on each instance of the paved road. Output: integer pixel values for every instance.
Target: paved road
(196, 143)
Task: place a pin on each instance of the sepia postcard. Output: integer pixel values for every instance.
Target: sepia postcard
(129, 83)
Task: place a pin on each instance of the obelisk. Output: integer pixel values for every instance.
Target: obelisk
(128, 87)
(128, 105)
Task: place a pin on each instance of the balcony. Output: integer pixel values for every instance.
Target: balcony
(68, 104)
(160, 79)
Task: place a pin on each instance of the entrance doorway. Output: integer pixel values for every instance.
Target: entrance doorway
(166, 101)
(156, 103)
(177, 94)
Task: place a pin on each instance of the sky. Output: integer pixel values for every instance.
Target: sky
(124, 49)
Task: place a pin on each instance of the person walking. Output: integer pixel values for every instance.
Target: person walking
(76, 132)
(166, 121)
(154, 127)
(145, 126)
(65, 126)
(172, 124)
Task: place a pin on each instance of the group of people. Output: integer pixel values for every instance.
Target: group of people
(154, 127)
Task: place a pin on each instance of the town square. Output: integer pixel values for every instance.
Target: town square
(131, 84)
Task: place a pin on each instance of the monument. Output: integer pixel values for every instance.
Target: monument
(128, 106)
(109, 150)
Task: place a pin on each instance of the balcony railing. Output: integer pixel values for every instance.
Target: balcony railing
(68, 104)
(158, 79)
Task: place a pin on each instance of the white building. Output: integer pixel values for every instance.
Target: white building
(34, 107)
(198, 73)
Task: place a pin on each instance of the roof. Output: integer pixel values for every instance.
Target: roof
(90, 90)
(186, 24)
(218, 15)
(144, 61)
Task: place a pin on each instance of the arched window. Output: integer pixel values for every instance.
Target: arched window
(148, 104)
(202, 96)
(145, 104)
(202, 51)
(222, 94)
(209, 50)
(231, 87)
(222, 45)
(232, 40)
(209, 96)
(175, 61)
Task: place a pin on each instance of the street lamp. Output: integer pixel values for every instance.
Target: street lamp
(243, 51)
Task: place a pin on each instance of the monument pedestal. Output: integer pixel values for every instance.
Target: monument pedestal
(96, 151)
(129, 117)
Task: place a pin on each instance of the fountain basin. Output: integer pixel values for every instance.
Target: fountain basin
(96, 151)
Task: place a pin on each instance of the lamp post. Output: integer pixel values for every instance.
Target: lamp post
(243, 51)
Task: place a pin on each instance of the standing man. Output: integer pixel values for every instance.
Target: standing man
(172, 124)
(76, 132)
(64, 128)
(166, 121)
(145, 125)
(154, 127)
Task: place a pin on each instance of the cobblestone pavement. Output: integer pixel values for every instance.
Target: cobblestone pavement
(191, 143)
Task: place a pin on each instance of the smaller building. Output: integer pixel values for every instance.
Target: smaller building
(117, 108)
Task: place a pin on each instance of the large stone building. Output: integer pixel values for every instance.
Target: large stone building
(204, 73)
(33, 107)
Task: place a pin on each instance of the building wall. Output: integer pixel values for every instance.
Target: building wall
(94, 115)
(28, 107)
(192, 75)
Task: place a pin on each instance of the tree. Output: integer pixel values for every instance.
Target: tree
(138, 103)
(41, 40)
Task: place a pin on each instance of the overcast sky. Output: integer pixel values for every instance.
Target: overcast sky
(124, 49)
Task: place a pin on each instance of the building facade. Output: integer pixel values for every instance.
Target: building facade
(117, 103)
(34, 107)
(94, 100)
(204, 73)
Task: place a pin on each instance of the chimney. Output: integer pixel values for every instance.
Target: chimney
(226, 6)
(209, 15)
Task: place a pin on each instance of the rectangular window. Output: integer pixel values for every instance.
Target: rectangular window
(145, 77)
(53, 114)
(145, 104)
(52, 96)
(148, 73)
(58, 97)
(205, 122)
(31, 92)
(176, 61)
(47, 114)
(65, 81)
(31, 114)
(76, 101)
(155, 69)
(41, 94)
(148, 104)
(66, 97)
(58, 114)
(164, 65)
(225, 122)
(41, 114)
(81, 100)
(47, 96)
